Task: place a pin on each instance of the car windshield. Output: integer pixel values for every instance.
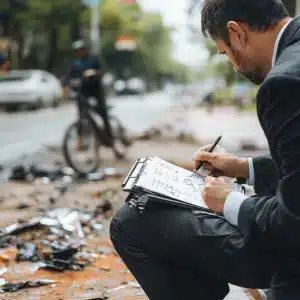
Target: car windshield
(15, 76)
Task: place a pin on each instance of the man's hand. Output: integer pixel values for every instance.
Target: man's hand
(89, 72)
(215, 193)
(222, 164)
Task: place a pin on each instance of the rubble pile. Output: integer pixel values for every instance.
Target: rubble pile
(62, 249)
(56, 241)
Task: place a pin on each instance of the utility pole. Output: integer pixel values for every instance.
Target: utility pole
(94, 24)
(297, 7)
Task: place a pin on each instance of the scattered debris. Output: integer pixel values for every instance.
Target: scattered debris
(94, 177)
(2, 281)
(7, 241)
(3, 271)
(63, 175)
(60, 239)
(103, 208)
(133, 284)
(105, 250)
(14, 287)
(22, 205)
(19, 173)
(105, 267)
(19, 227)
(62, 265)
(114, 173)
(99, 298)
(27, 252)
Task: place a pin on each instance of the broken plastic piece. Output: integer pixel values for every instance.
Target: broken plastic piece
(105, 250)
(13, 287)
(17, 227)
(95, 177)
(27, 252)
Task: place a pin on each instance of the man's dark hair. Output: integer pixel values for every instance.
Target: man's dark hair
(260, 15)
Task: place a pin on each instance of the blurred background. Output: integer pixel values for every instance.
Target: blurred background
(145, 47)
(154, 42)
(164, 83)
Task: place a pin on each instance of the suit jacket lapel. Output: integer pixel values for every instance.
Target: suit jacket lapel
(290, 35)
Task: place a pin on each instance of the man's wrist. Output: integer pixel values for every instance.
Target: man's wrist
(243, 168)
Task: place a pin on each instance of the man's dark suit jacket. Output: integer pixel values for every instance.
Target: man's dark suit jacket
(270, 221)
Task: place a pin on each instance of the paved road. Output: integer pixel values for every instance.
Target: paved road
(25, 132)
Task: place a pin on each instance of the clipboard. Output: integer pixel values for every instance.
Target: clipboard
(129, 185)
(132, 185)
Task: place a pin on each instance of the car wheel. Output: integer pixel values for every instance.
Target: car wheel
(39, 103)
(55, 102)
(11, 108)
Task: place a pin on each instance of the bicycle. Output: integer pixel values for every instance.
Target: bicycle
(90, 131)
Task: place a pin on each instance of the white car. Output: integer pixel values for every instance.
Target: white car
(32, 88)
(136, 85)
(133, 86)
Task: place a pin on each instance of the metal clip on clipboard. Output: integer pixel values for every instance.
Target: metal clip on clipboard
(133, 174)
(134, 200)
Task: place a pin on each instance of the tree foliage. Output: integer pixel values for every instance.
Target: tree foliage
(44, 30)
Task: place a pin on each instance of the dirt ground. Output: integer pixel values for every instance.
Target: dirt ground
(107, 277)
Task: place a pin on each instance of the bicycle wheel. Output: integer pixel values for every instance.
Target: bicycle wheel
(119, 131)
(81, 147)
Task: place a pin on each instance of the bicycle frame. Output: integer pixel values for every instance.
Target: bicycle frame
(88, 110)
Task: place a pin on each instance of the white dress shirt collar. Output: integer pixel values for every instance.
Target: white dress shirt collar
(277, 42)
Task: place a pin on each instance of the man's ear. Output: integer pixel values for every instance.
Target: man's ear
(237, 34)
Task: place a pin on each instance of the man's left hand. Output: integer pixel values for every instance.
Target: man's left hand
(215, 193)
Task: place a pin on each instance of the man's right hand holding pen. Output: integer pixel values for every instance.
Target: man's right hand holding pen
(220, 165)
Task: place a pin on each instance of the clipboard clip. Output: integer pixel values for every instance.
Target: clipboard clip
(139, 203)
(134, 173)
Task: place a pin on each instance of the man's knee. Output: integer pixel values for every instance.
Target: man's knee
(120, 225)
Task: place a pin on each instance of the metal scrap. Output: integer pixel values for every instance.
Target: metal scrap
(27, 252)
(62, 257)
(133, 284)
(18, 227)
(62, 265)
(14, 287)
(3, 271)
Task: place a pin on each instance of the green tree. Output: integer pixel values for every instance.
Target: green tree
(45, 21)
(36, 26)
(44, 31)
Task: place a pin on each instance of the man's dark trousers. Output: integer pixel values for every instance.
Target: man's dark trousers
(177, 254)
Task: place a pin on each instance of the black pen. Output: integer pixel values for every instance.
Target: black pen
(211, 149)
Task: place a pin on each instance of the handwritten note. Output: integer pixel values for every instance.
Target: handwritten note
(169, 180)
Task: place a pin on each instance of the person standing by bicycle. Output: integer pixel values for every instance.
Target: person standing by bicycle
(87, 71)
